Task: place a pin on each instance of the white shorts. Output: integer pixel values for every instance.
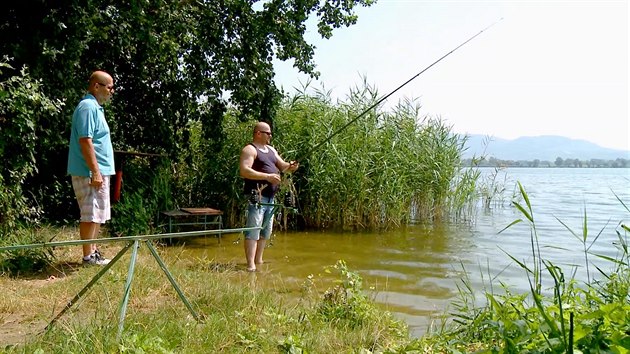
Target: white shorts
(93, 203)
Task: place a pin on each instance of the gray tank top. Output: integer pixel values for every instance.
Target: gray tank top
(264, 162)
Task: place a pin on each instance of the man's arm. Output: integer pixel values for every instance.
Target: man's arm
(87, 149)
(248, 155)
(284, 166)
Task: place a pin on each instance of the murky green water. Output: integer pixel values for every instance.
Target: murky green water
(415, 270)
(412, 271)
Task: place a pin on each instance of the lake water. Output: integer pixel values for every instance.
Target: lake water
(415, 270)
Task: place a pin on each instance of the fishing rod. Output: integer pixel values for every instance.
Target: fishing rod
(310, 151)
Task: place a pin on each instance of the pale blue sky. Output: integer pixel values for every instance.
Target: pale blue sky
(547, 68)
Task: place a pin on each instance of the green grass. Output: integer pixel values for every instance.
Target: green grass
(237, 314)
(385, 169)
(591, 316)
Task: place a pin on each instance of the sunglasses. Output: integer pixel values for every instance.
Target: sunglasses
(110, 88)
(268, 133)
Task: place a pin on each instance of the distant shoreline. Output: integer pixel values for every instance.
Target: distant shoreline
(558, 163)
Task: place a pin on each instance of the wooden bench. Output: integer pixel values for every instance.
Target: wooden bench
(195, 217)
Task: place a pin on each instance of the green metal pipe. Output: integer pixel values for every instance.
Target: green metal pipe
(128, 238)
(125, 300)
(171, 279)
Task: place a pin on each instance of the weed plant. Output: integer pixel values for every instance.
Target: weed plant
(145, 193)
(24, 261)
(387, 168)
(239, 316)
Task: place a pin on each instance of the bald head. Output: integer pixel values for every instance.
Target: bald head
(262, 133)
(100, 77)
(101, 86)
(261, 126)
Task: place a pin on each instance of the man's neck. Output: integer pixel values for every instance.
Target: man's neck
(260, 146)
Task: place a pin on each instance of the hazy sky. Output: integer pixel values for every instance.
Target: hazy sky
(547, 68)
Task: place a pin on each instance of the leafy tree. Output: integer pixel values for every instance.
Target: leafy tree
(22, 107)
(559, 161)
(173, 62)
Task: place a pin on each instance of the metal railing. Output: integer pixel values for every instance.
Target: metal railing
(133, 243)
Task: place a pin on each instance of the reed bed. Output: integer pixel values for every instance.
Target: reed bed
(384, 170)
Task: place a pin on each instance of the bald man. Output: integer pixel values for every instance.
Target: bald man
(91, 162)
(260, 166)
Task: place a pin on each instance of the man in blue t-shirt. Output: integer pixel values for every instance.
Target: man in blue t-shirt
(91, 162)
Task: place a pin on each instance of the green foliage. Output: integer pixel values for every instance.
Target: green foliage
(147, 191)
(133, 216)
(491, 189)
(23, 107)
(139, 343)
(173, 62)
(559, 162)
(210, 178)
(382, 171)
(237, 318)
(345, 304)
(24, 261)
(292, 345)
(385, 169)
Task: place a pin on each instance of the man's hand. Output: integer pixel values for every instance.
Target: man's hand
(273, 178)
(96, 180)
(293, 165)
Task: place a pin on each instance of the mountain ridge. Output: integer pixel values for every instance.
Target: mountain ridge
(542, 147)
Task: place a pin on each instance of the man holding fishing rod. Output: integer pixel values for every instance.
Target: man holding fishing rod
(260, 166)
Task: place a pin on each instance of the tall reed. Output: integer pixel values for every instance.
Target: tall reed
(385, 169)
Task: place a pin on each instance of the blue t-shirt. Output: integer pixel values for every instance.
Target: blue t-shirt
(88, 121)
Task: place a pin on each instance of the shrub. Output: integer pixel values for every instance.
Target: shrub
(21, 261)
(22, 104)
(147, 191)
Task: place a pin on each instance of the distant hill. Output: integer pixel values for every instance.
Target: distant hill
(544, 148)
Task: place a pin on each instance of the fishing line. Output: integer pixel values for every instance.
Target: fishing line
(308, 152)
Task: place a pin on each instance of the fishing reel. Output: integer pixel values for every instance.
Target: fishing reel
(254, 197)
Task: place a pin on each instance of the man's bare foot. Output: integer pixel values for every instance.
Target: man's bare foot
(252, 269)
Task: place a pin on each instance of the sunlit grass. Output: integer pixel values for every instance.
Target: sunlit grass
(237, 313)
(384, 170)
(330, 314)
